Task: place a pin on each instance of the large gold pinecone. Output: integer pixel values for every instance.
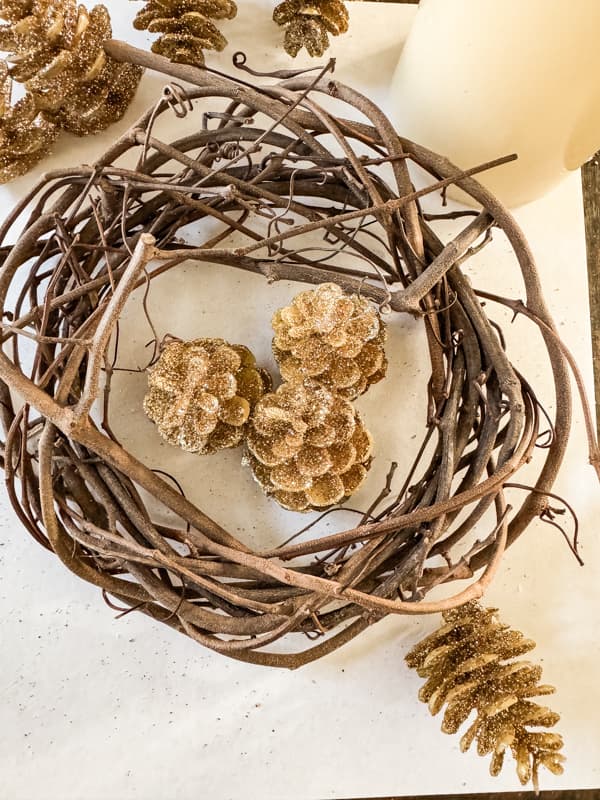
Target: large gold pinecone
(25, 138)
(56, 50)
(201, 393)
(308, 447)
(308, 23)
(185, 26)
(336, 339)
(469, 666)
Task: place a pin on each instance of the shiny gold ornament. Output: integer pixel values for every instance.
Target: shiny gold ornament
(56, 50)
(307, 446)
(308, 22)
(469, 666)
(185, 26)
(25, 138)
(201, 393)
(335, 339)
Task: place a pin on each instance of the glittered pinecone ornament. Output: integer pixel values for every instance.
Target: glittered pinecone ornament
(469, 665)
(56, 50)
(25, 138)
(308, 24)
(335, 339)
(307, 446)
(201, 393)
(185, 26)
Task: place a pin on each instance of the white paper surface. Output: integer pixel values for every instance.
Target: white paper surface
(98, 708)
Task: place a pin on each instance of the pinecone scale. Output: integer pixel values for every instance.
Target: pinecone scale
(56, 50)
(25, 137)
(307, 447)
(335, 339)
(308, 24)
(201, 393)
(469, 666)
(185, 26)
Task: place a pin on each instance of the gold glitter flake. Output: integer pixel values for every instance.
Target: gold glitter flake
(337, 340)
(468, 665)
(308, 24)
(185, 26)
(307, 446)
(201, 393)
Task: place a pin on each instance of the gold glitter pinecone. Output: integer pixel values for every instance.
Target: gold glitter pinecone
(56, 50)
(469, 666)
(335, 339)
(185, 26)
(307, 446)
(25, 138)
(308, 23)
(201, 393)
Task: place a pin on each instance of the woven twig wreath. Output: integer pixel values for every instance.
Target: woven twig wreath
(92, 234)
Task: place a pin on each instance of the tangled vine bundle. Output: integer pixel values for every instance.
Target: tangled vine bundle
(93, 234)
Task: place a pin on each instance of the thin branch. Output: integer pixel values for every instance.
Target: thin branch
(144, 252)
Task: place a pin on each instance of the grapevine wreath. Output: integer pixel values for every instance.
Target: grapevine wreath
(273, 164)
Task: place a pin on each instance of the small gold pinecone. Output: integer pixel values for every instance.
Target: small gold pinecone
(308, 447)
(335, 339)
(25, 138)
(201, 393)
(185, 27)
(56, 50)
(468, 666)
(308, 23)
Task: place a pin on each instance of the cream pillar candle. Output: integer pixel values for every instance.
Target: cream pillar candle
(480, 78)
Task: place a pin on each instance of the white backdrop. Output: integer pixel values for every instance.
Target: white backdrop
(98, 708)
